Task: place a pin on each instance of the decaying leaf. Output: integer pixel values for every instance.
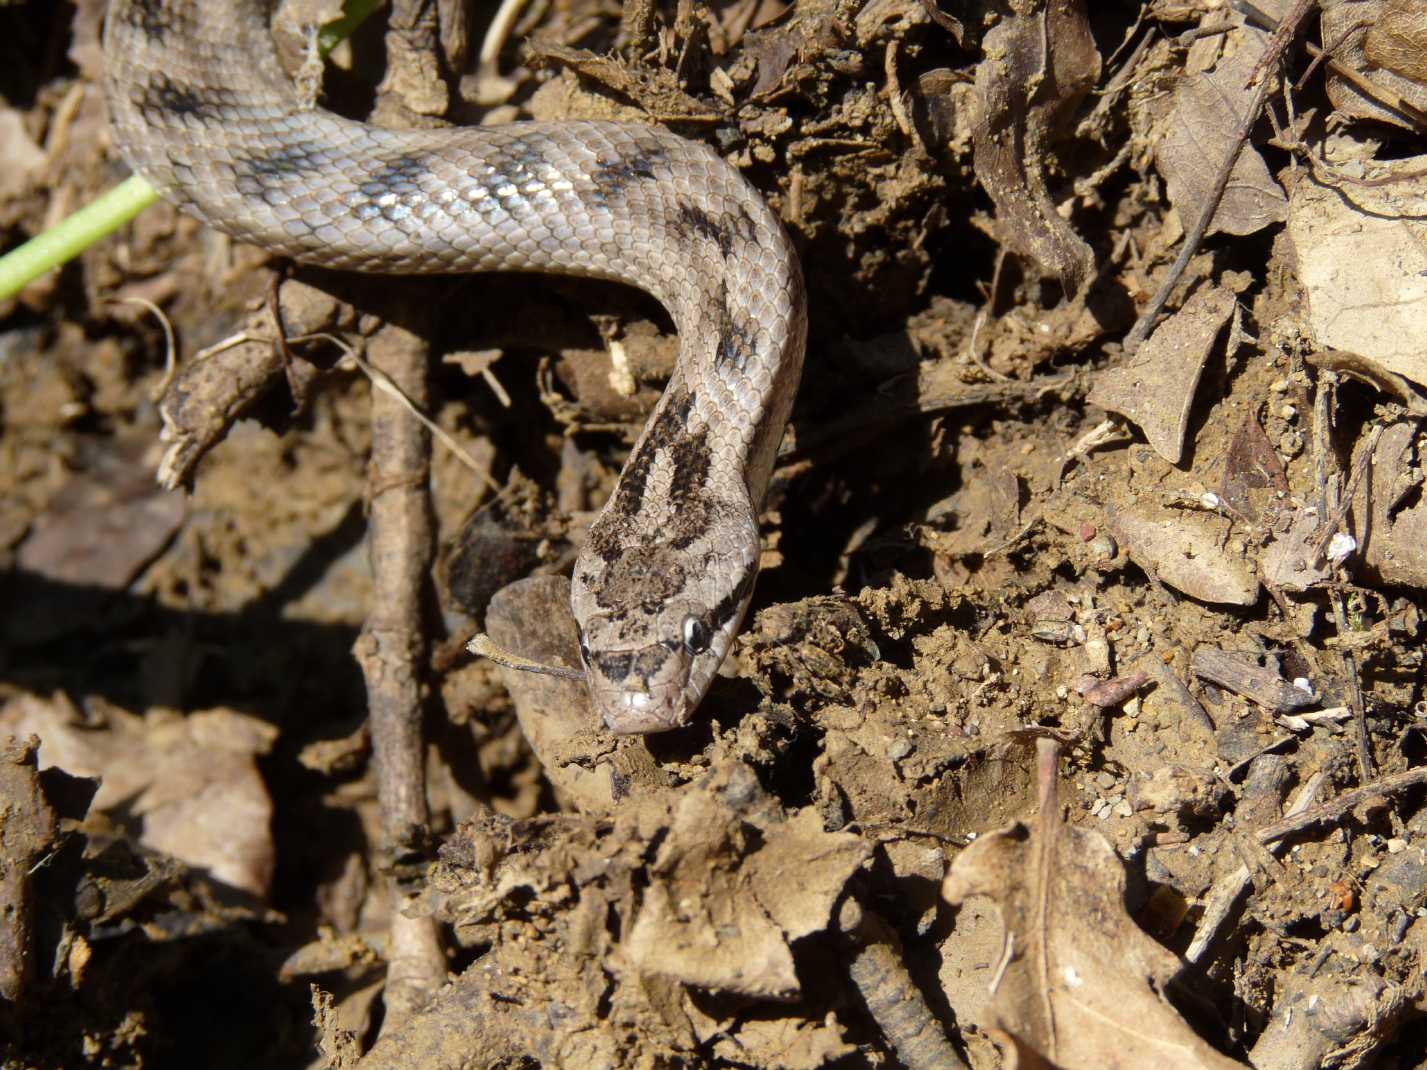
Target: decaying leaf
(1250, 466)
(1242, 674)
(1200, 132)
(104, 526)
(1187, 553)
(1156, 388)
(1083, 986)
(1394, 517)
(1380, 43)
(192, 779)
(719, 916)
(1026, 98)
(1362, 260)
(1291, 562)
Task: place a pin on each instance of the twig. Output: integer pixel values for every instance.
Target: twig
(1331, 526)
(170, 346)
(878, 969)
(1225, 894)
(392, 646)
(1331, 499)
(1335, 808)
(1170, 681)
(483, 646)
(391, 651)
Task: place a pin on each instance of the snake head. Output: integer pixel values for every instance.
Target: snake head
(650, 656)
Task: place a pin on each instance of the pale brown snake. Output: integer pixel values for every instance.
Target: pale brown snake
(201, 108)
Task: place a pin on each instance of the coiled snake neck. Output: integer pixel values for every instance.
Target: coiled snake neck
(201, 108)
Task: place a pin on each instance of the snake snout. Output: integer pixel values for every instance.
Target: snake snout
(638, 691)
(628, 713)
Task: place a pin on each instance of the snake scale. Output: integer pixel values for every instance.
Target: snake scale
(201, 108)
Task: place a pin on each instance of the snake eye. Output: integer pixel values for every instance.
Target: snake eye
(696, 635)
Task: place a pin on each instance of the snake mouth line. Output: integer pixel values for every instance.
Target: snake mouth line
(629, 712)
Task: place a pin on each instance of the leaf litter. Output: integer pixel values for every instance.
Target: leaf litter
(1181, 581)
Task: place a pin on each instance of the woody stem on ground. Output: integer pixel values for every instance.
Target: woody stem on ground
(392, 646)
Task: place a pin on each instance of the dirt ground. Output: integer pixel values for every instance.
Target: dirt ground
(1079, 718)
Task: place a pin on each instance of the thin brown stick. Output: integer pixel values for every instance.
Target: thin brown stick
(1382, 788)
(877, 968)
(1225, 894)
(392, 647)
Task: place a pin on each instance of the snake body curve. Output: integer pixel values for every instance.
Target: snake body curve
(201, 108)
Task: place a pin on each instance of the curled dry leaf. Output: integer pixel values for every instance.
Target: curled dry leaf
(1083, 985)
(1362, 260)
(1391, 511)
(1026, 99)
(1380, 43)
(1156, 388)
(1200, 132)
(1187, 553)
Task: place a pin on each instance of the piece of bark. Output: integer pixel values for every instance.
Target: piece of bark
(1257, 683)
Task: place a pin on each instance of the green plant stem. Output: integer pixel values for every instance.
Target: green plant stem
(72, 235)
(110, 211)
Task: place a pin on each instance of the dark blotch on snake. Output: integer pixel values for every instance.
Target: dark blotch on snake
(152, 19)
(728, 605)
(165, 96)
(298, 158)
(613, 176)
(401, 175)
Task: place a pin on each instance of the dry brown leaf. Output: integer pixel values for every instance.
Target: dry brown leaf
(1251, 465)
(1379, 42)
(1083, 985)
(24, 160)
(1025, 104)
(1156, 388)
(1397, 39)
(1362, 260)
(719, 915)
(1199, 133)
(1187, 553)
(531, 618)
(104, 526)
(193, 779)
(1288, 563)
(784, 1042)
(1201, 130)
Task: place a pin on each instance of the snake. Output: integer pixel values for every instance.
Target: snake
(201, 108)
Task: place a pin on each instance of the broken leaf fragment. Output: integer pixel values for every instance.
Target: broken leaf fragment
(1362, 260)
(1082, 986)
(721, 908)
(1156, 388)
(1187, 553)
(1391, 511)
(193, 779)
(1037, 69)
